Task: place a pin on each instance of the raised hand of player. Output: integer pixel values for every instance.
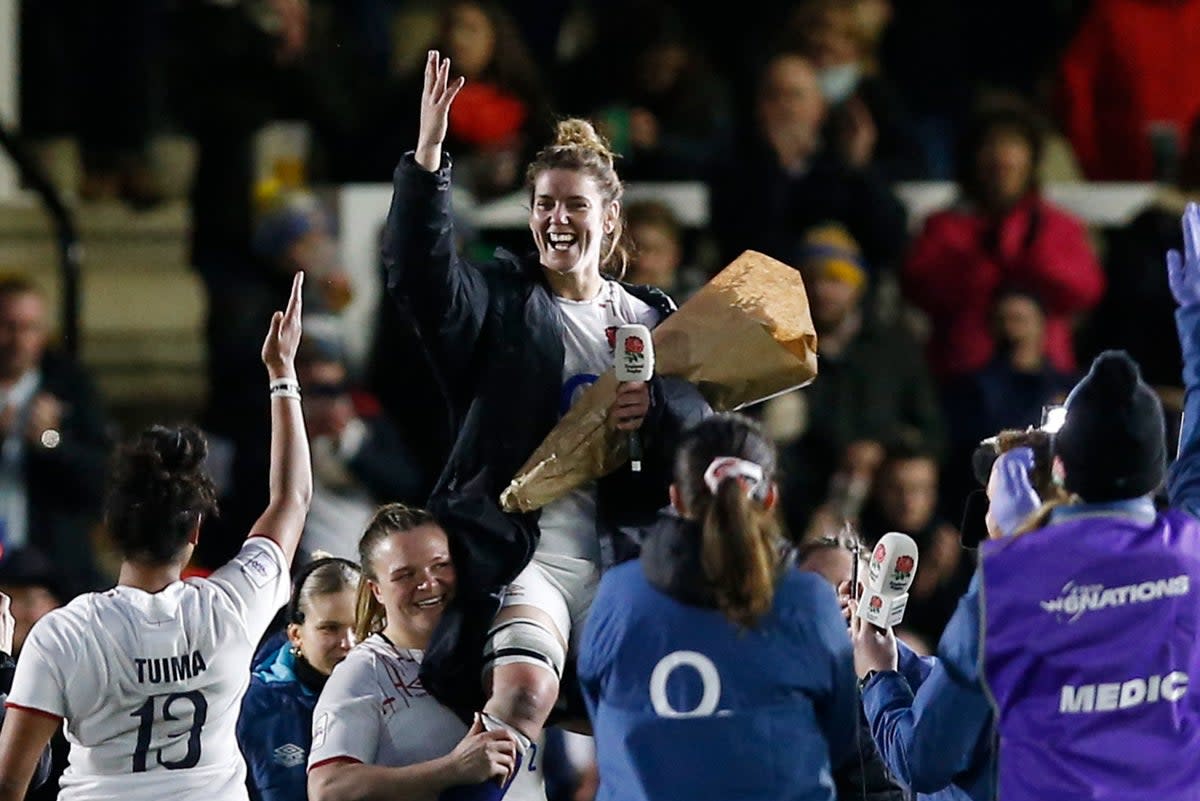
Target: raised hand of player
(283, 337)
(1183, 269)
(436, 97)
(482, 755)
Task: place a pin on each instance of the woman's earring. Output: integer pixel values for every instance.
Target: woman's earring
(295, 650)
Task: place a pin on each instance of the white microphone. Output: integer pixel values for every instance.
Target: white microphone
(633, 360)
(889, 575)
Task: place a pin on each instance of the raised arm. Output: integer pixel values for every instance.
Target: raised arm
(291, 482)
(1183, 273)
(437, 96)
(446, 296)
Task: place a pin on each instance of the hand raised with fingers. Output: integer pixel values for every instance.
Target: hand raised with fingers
(1183, 269)
(283, 337)
(436, 97)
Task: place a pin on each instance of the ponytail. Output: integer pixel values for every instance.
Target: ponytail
(739, 554)
(369, 617)
(724, 472)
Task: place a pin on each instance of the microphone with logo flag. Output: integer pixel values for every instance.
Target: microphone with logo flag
(889, 575)
(633, 360)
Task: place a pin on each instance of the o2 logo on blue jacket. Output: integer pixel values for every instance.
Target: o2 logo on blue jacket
(572, 389)
(710, 683)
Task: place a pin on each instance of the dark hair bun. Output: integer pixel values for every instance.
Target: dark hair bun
(183, 450)
(159, 489)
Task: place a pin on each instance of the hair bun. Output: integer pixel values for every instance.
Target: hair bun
(181, 450)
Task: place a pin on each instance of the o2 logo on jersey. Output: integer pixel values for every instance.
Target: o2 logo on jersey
(710, 681)
(572, 389)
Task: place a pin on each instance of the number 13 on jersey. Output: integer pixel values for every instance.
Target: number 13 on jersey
(170, 711)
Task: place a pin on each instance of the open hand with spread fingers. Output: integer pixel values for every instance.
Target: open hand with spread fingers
(436, 97)
(1183, 269)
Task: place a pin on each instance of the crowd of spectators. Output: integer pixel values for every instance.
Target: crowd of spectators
(933, 333)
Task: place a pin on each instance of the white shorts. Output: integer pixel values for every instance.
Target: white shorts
(561, 586)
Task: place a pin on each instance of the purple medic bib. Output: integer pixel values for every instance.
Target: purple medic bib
(1091, 633)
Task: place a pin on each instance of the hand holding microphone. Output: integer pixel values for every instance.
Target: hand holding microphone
(633, 363)
(889, 575)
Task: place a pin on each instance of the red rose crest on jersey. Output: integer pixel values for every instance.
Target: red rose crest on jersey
(610, 334)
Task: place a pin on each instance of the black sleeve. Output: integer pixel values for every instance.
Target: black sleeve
(446, 296)
(7, 668)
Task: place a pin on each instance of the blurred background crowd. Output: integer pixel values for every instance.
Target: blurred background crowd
(798, 118)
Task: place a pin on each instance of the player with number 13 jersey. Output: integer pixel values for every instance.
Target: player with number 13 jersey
(147, 678)
(150, 684)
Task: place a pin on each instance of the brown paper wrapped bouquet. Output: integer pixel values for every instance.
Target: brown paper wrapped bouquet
(744, 337)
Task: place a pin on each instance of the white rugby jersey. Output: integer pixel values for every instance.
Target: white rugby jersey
(568, 524)
(150, 685)
(374, 710)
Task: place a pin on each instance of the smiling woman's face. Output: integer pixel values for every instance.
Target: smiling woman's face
(415, 581)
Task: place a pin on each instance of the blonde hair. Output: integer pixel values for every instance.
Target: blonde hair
(393, 518)
(578, 146)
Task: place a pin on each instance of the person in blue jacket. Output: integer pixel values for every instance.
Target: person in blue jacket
(711, 667)
(946, 731)
(275, 727)
(869, 778)
(908, 701)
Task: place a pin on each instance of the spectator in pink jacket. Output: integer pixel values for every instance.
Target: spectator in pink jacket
(1001, 234)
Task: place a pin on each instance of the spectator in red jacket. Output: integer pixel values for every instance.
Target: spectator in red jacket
(1126, 100)
(1000, 234)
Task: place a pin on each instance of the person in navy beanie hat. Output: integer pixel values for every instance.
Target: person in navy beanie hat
(1113, 442)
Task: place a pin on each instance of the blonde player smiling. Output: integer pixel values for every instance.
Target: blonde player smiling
(377, 733)
(148, 677)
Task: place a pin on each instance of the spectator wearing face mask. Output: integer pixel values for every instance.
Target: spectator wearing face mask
(869, 122)
(783, 181)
